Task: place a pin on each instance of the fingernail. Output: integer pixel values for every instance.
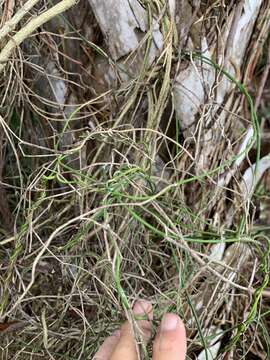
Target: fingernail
(142, 307)
(169, 322)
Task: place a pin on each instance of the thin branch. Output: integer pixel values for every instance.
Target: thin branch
(28, 29)
(10, 25)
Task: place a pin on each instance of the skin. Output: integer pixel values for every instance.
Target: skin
(169, 343)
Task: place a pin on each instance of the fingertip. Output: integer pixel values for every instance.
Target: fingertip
(143, 312)
(126, 347)
(170, 342)
(143, 308)
(170, 322)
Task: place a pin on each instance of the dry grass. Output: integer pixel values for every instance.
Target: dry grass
(102, 200)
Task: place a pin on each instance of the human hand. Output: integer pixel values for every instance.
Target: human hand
(169, 343)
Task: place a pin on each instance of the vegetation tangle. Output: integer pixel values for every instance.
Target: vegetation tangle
(134, 163)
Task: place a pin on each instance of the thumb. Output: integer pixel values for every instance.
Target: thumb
(170, 342)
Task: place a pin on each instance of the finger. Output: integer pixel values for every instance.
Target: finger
(126, 346)
(107, 347)
(170, 342)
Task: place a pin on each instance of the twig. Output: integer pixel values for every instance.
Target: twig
(10, 25)
(21, 35)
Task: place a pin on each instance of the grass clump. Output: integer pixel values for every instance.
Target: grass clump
(104, 200)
